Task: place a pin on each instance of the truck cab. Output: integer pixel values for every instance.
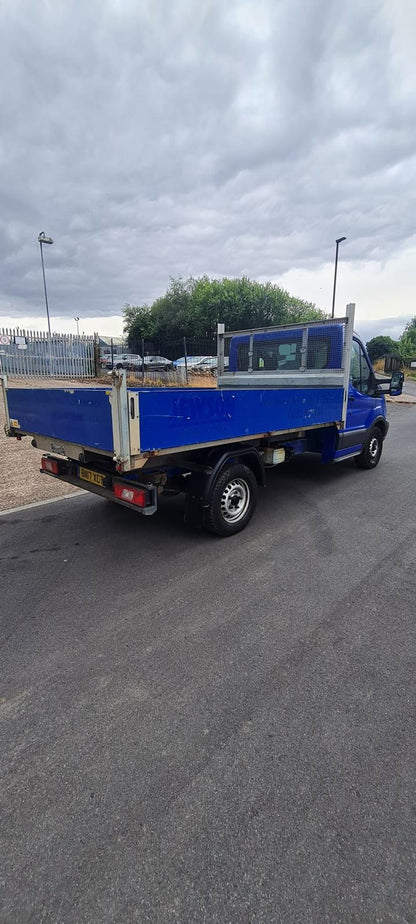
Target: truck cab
(366, 405)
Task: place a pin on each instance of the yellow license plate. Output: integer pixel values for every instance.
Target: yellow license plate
(92, 477)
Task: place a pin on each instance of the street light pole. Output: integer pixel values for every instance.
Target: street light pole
(337, 242)
(42, 239)
(77, 320)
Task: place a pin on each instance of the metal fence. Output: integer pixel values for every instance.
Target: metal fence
(32, 354)
(187, 360)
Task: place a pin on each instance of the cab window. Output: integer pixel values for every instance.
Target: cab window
(271, 355)
(361, 376)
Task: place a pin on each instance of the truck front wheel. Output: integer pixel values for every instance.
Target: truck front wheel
(373, 447)
(233, 500)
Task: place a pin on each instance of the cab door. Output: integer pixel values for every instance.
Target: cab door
(363, 403)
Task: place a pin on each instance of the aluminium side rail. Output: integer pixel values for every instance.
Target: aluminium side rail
(120, 418)
(346, 357)
(7, 425)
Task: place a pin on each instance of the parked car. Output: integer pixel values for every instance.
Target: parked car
(191, 361)
(130, 361)
(200, 363)
(105, 356)
(157, 362)
(210, 364)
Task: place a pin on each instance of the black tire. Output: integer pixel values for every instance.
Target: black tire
(371, 453)
(233, 500)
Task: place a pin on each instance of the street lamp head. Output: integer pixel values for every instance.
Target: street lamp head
(339, 239)
(43, 239)
(76, 319)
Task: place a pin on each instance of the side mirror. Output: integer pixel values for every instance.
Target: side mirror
(396, 384)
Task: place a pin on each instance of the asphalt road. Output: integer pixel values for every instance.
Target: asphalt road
(410, 387)
(207, 730)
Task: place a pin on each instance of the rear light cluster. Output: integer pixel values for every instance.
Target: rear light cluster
(50, 465)
(130, 495)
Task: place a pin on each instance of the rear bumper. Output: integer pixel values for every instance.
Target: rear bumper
(69, 472)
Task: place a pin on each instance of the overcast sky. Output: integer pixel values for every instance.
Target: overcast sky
(153, 138)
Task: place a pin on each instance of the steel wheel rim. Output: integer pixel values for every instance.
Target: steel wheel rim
(235, 500)
(373, 447)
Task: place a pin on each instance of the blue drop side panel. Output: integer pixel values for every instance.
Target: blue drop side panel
(80, 415)
(185, 417)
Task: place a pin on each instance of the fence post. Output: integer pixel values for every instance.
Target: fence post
(220, 348)
(186, 360)
(96, 356)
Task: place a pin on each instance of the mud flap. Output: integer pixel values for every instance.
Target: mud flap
(194, 514)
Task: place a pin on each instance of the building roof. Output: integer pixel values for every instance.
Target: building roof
(106, 341)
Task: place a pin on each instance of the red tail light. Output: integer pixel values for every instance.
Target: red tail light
(130, 494)
(50, 465)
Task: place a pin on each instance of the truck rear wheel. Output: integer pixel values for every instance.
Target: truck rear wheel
(232, 501)
(371, 453)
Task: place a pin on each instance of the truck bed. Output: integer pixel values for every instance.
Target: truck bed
(167, 419)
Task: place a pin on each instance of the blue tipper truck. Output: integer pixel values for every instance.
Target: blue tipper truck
(286, 390)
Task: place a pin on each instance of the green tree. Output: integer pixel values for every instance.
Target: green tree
(192, 308)
(411, 327)
(137, 322)
(408, 340)
(382, 345)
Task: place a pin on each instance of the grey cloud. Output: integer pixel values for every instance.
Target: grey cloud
(156, 140)
(387, 327)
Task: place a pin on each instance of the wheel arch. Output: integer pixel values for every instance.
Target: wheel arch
(249, 456)
(382, 425)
